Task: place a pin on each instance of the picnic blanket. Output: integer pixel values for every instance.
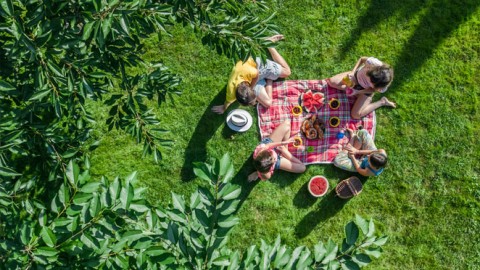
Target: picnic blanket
(286, 94)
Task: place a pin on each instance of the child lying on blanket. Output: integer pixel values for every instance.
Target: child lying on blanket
(369, 75)
(271, 154)
(372, 161)
(247, 82)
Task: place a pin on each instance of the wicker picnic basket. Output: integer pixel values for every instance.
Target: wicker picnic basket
(349, 187)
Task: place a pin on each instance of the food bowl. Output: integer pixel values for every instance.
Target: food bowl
(297, 142)
(297, 110)
(334, 104)
(334, 121)
(318, 186)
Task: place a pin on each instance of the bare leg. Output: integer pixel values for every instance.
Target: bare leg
(292, 165)
(281, 133)
(364, 105)
(278, 58)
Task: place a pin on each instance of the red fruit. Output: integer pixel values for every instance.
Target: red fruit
(317, 96)
(318, 185)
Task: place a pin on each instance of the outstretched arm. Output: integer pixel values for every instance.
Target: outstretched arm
(220, 109)
(360, 61)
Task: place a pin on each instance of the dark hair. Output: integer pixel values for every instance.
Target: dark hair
(263, 162)
(378, 160)
(245, 94)
(381, 76)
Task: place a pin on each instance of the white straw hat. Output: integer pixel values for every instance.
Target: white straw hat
(239, 120)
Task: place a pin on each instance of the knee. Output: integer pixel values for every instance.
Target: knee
(356, 115)
(302, 168)
(286, 72)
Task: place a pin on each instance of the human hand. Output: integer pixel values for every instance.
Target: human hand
(351, 149)
(252, 177)
(350, 155)
(219, 109)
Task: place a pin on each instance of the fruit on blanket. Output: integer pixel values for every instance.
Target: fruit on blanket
(312, 101)
(297, 110)
(318, 186)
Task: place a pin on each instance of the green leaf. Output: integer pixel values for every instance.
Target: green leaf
(293, 259)
(202, 217)
(7, 7)
(250, 256)
(222, 261)
(89, 241)
(281, 258)
(361, 259)
(87, 30)
(381, 240)
(331, 253)
(229, 222)
(63, 194)
(55, 68)
(139, 207)
(81, 198)
(320, 252)
(90, 187)
(4, 171)
(172, 233)
(371, 228)
(126, 196)
(5, 86)
(95, 205)
(72, 173)
(48, 237)
(351, 233)
(362, 223)
(46, 251)
(42, 218)
(132, 235)
(40, 94)
(374, 251)
(114, 189)
(350, 265)
(178, 202)
(155, 251)
(232, 193)
(202, 170)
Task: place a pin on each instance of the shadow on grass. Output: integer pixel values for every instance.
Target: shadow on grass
(328, 207)
(440, 20)
(208, 124)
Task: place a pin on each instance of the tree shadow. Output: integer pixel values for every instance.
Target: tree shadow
(440, 20)
(208, 124)
(328, 207)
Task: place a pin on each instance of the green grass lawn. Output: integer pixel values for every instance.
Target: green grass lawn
(428, 198)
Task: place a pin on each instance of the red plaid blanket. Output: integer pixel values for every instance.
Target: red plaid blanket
(286, 94)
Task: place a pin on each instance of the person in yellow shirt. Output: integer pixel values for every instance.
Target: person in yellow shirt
(250, 81)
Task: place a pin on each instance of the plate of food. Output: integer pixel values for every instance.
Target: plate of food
(312, 128)
(312, 102)
(318, 186)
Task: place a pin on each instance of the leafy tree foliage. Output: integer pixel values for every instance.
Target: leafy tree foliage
(58, 55)
(109, 224)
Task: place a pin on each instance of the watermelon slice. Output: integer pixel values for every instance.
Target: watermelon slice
(318, 186)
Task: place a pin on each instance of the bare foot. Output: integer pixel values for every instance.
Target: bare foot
(389, 103)
(275, 38)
